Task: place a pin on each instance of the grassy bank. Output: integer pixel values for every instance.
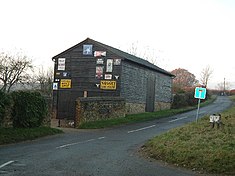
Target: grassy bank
(134, 118)
(198, 146)
(13, 135)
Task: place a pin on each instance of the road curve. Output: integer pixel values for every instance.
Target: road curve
(103, 152)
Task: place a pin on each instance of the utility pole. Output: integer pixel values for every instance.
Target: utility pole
(224, 86)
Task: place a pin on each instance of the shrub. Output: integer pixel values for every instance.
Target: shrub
(29, 109)
(4, 104)
(181, 100)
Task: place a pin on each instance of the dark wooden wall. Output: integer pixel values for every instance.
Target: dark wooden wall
(81, 69)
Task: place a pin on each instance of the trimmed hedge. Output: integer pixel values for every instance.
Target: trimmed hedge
(29, 109)
(5, 102)
(184, 99)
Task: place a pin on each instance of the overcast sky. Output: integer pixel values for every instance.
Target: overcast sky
(189, 34)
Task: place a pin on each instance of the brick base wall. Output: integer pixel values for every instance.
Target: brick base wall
(98, 108)
(135, 108)
(162, 106)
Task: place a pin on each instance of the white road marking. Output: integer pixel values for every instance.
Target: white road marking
(101, 137)
(140, 129)
(178, 119)
(5, 164)
(81, 142)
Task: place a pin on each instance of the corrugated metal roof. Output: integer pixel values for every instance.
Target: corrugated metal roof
(122, 54)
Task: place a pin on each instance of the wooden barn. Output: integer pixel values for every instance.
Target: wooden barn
(94, 69)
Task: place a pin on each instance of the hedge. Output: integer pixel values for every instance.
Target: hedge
(5, 102)
(184, 99)
(29, 109)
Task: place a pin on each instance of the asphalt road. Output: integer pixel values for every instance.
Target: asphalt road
(106, 152)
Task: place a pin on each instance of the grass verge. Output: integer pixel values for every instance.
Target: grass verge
(198, 146)
(13, 135)
(134, 118)
(131, 118)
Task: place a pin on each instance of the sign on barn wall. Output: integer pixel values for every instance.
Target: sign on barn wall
(108, 76)
(108, 85)
(117, 62)
(65, 83)
(55, 86)
(61, 64)
(109, 66)
(87, 50)
(99, 72)
(99, 53)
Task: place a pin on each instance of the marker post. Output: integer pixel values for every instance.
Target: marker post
(200, 93)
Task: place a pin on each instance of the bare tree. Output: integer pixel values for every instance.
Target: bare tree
(147, 53)
(206, 75)
(45, 79)
(133, 49)
(13, 69)
(224, 86)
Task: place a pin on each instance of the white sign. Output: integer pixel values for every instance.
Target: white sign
(107, 76)
(215, 118)
(61, 64)
(99, 53)
(55, 86)
(109, 66)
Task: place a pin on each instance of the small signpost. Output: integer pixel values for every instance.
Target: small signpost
(200, 93)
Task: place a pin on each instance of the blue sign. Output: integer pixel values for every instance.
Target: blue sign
(200, 93)
(87, 49)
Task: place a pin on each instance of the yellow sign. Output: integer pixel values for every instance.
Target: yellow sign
(108, 85)
(65, 83)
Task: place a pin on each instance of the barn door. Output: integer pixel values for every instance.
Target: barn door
(150, 94)
(64, 105)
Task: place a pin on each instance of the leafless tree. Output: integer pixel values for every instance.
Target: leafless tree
(13, 69)
(224, 86)
(147, 53)
(45, 78)
(206, 75)
(134, 49)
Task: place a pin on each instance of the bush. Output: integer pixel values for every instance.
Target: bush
(181, 100)
(4, 104)
(29, 109)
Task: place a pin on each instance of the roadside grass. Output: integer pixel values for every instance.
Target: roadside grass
(13, 135)
(131, 118)
(135, 118)
(198, 146)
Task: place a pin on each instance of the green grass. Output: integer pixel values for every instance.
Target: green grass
(198, 146)
(135, 118)
(131, 118)
(13, 135)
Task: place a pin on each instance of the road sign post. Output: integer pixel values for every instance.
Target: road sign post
(200, 93)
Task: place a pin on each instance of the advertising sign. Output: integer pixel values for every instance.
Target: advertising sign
(99, 72)
(108, 85)
(107, 76)
(99, 53)
(87, 50)
(65, 83)
(109, 66)
(61, 64)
